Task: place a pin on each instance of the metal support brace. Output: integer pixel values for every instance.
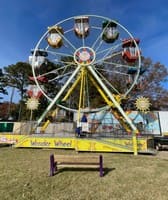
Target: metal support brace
(58, 95)
(117, 105)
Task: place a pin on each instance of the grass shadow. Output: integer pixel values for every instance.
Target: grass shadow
(105, 170)
(5, 145)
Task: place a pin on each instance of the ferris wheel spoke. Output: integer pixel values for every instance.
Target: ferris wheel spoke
(67, 40)
(69, 30)
(56, 71)
(97, 40)
(66, 67)
(107, 82)
(61, 76)
(99, 37)
(63, 67)
(108, 54)
(118, 65)
(112, 71)
(98, 47)
(55, 53)
(50, 72)
(83, 41)
(111, 49)
(67, 63)
(102, 60)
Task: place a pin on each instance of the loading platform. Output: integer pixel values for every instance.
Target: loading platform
(92, 144)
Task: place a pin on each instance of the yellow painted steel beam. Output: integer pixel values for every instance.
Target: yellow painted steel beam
(72, 88)
(101, 91)
(81, 92)
(43, 128)
(110, 103)
(135, 145)
(84, 86)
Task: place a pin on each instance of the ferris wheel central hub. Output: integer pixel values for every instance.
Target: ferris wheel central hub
(84, 56)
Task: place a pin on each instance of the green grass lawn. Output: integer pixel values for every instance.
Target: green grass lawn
(25, 175)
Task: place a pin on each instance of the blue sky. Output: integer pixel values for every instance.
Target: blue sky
(24, 22)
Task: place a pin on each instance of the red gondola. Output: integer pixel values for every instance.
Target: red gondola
(34, 91)
(42, 79)
(130, 52)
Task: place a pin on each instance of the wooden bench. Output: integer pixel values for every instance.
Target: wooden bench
(75, 161)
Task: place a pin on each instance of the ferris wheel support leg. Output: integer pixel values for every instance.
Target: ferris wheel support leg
(58, 95)
(117, 105)
(64, 99)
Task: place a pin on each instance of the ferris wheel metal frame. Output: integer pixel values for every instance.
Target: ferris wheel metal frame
(87, 54)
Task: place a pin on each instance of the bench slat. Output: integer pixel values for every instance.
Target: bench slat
(78, 163)
(77, 166)
(76, 160)
(79, 159)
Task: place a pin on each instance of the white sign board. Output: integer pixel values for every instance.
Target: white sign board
(163, 116)
(85, 126)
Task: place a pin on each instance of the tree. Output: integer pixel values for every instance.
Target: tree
(16, 76)
(2, 89)
(151, 84)
(4, 107)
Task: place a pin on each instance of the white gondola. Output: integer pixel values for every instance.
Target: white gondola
(81, 26)
(39, 59)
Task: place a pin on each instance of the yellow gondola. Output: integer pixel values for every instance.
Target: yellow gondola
(54, 37)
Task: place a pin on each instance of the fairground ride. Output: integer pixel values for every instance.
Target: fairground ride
(81, 58)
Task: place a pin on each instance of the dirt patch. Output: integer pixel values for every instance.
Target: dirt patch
(163, 154)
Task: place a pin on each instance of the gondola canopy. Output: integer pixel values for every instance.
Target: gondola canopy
(110, 32)
(39, 59)
(34, 91)
(130, 52)
(54, 37)
(81, 27)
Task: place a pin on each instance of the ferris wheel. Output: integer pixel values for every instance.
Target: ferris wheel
(85, 62)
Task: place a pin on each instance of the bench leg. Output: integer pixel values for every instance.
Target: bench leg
(101, 165)
(52, 165)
